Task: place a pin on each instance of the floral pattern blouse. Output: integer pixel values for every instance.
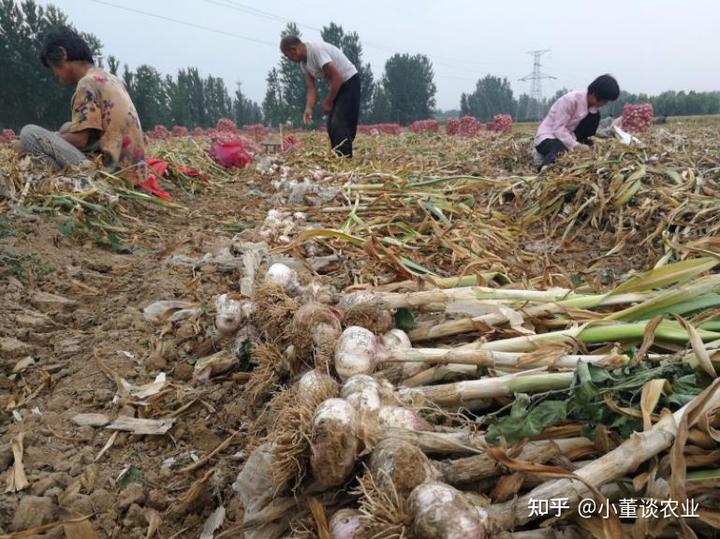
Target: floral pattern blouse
(102, 103)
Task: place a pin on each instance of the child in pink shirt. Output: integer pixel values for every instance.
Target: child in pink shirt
(574, 118)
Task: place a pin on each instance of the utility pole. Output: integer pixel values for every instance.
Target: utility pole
(536, 78)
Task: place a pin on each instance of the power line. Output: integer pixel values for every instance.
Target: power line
(255, 40)
(259, 13)
(438, 60)
(184, 23)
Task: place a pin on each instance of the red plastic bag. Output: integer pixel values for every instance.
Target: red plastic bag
(158, 166)
(230, 154)
(152, 186)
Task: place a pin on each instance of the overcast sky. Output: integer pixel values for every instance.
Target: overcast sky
(649, 45)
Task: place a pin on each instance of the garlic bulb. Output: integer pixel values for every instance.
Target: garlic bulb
(230, 314)
(443, 512)
(362, 392)
(357, 352)
(396, 339)
(334, 442)
(313, 382)
(402, 418)
(346, 524)
(284, 277)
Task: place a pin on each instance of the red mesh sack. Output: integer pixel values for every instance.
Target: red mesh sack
(637, 118)
(502, 123)
(424, 126)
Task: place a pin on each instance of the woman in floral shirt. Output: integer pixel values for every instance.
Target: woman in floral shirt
(103, 117)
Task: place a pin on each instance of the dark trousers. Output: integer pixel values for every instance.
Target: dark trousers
(550, 148)
(343, 118)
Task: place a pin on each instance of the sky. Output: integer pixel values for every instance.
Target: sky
(648, 45)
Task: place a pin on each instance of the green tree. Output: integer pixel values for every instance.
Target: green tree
(113, 65)
(380, 110)
(195, 89)
(464, 105)
(443, 115)
(147, 90)
(274, 105)
(492, 96)
(333, 34)
(525, 108)
(245, 111)
(408, 84)
(178, 101)
(128, 77)
(28, 91)
(292, 81)
(217, 101)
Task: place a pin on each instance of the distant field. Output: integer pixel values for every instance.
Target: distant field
(708, 118)
(523, 127)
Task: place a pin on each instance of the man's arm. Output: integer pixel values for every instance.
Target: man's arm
(311, 97)
(335, 80)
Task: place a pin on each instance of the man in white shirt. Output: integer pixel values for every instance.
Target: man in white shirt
(322, 60)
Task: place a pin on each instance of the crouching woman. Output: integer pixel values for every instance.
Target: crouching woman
(103, 119)
(573, 119)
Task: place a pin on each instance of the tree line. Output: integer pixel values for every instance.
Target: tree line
(494, 95)
(405, 91)
(187, 99)
(29, 93)
(670, 103)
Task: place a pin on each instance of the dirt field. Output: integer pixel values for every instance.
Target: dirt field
(72, 306)
(72, 326)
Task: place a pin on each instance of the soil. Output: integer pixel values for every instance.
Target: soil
(75, 309)
(72, 327)
(72, 307)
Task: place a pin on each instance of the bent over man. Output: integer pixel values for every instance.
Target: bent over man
(342, 105)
